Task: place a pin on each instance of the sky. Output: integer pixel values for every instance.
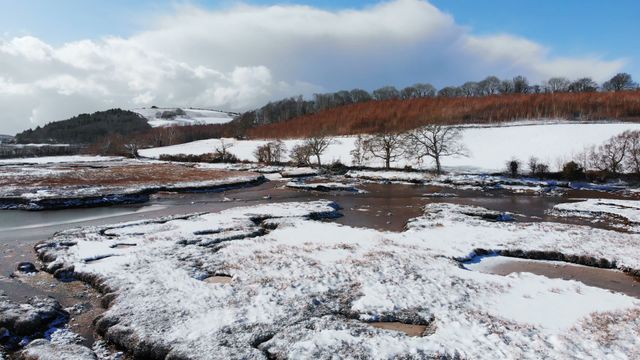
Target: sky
(61, 58)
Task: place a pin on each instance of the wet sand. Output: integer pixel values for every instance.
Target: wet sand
(613, 280)
(79, 299)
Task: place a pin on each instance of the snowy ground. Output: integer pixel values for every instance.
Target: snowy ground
(490, 147)
(302, 288)
(191, 117)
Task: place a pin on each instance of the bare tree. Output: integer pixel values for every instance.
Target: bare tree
(632, 161)
(611, 155)
(409, 92)
(386, 93)
(317, 144)
(270, 152)
(359, 154)
(506, 87)
(621, 81)
(520, 85)
(583, 85)
(489, 86)
(387, 146)
(359, 95)
(132, 148)
(435, 142)
(470, 88)
(425, 90)
(557, 84)
(221, 150)
(450, 91)
(533, 165)
(536, 167)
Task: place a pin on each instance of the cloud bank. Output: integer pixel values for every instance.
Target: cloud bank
(242, 56)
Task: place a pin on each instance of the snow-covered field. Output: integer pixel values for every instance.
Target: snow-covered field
(302, 288)
(191, 117)
(489, 147)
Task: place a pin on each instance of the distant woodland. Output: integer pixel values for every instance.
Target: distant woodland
(86, 128)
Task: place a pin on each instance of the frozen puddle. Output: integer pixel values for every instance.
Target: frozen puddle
(409, 329)
(218, 279)
(613, 280)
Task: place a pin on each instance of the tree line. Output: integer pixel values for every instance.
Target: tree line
(293, 107)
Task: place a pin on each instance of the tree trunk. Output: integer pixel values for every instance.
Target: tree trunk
(319, 164)
(438, 169)
(388, 163)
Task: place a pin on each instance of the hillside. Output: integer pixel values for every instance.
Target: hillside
(160, 117)
(86, 128)
(401, 115)
(489, 148)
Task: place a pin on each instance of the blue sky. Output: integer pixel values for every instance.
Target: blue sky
(60, 58)
(567, 27)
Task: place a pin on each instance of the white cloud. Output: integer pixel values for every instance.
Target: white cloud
(242, 56)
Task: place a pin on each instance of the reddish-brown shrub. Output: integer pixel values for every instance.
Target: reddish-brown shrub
(402, 115)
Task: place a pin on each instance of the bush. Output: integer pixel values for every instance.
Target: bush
(537, 168)
(270, 152)
(572, 171)
(300, 155)
(337, 168)
(513, 167)
(204, 158)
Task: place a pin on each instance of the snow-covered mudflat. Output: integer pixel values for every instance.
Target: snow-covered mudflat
(625, 211)
(302, 288)
(58, 159)
(190, 117)
(482, 182)
(489, 147)
(67, 184)
(323, 186)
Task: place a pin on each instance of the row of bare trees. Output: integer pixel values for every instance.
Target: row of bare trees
(620, 154)
(314, 146)
(433, 142)
(430, 142)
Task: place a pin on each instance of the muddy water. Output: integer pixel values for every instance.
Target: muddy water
(385, 207)
(80, 300)
(613, 280)
(408, 329)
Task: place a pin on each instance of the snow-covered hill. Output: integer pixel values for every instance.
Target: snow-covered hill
(183, 116)
(489, 147)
